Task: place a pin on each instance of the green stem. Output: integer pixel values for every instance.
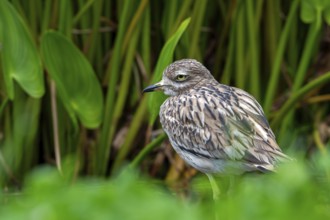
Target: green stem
(133, 23)
(275, 73)
(313, 32)
(3, 105)
(317, 137)
(125, 80)
(240, 46)
(198, 14)
(82, 11)
(46, 16)
(65, 16)
(254, 51)
(297, 96)
(147, 149)
(95, 35)
(146, 41)
(113, 68)
(215, 187)
(170, 16)
(32, 16)
(259, 10)
(229, 61)
(184, 8)
(226, 29)
(131, 134)
(271, 33)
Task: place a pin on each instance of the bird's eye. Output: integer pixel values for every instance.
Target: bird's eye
(180, 77)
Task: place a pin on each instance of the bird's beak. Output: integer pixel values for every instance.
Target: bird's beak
(154, 87)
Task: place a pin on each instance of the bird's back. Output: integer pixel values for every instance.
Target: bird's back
(220, 129)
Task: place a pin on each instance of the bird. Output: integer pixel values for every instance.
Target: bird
(215, 128)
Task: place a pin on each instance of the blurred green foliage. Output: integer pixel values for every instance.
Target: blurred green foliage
(296, 191)
(48, 196)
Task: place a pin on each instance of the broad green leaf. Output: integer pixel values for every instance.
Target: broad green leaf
(19, 56)
(75, 80)
(165, 58)
(307, 13)
(311, 9)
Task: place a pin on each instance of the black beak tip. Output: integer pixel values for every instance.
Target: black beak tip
(150, 88)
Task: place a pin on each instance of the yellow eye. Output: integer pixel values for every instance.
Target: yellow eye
(180, 77)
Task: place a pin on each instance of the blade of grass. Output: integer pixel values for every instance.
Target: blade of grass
(165, 58)
(228, 69)
(82, 10)
(20, 140)
(65, 17)
(253, 38)
(131, 134)
(313, 33)
(240, 67)
(124, 84)
(195, 31)
(295, 97)
(46, 17)
(169, 11)
(275, 72)
(146, 39)
(137, 16)
(32, 16)
(226, 32)
(147, 149)
(93, 39)
(184, 10)
(273, 29)
(114, 69)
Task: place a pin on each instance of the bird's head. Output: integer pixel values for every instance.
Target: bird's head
(181, 76)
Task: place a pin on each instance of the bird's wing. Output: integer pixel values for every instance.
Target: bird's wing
(221, 122)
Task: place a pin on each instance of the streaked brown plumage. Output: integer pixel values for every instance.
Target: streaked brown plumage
(215, 128)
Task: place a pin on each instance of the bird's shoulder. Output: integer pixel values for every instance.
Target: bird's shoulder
(216, 103)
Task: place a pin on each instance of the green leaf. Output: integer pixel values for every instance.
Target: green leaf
(19, 56)
(307, 13)
(165, 58)
(76, 82)
(311, 9)
(327, 15)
